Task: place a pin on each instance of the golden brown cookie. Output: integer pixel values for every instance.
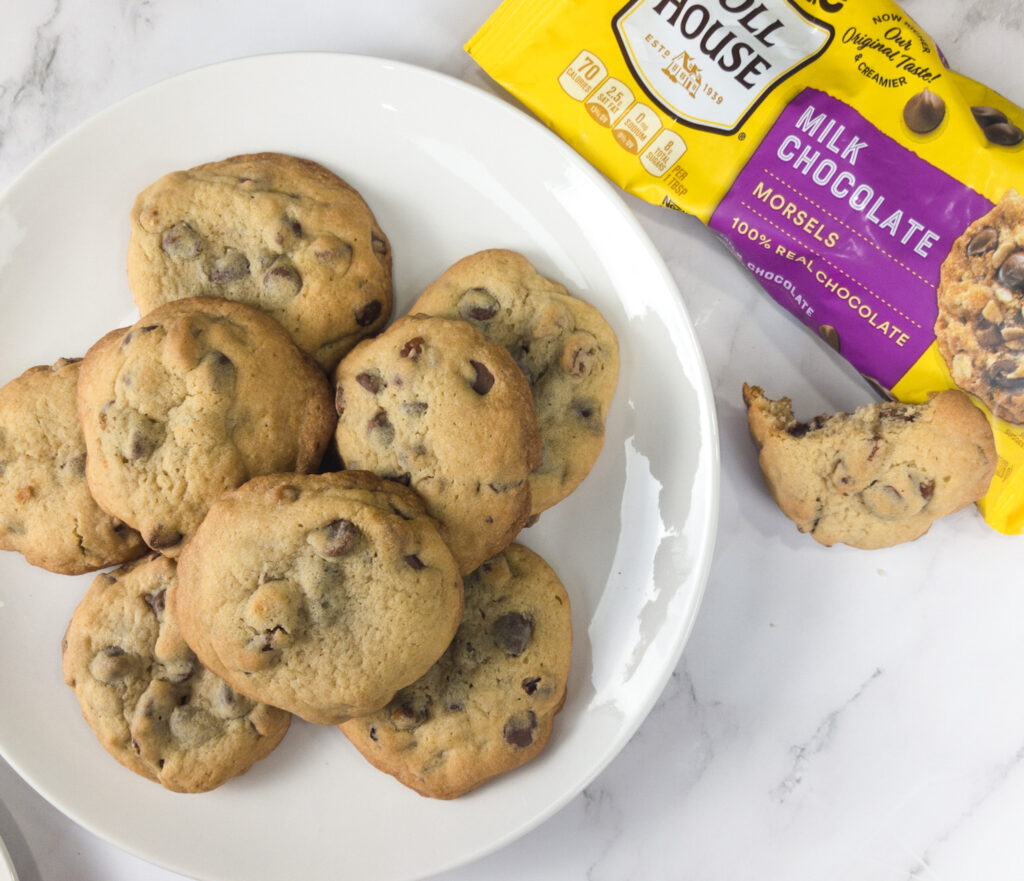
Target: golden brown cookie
(322, 594)
(277, 232)
(151, 704)
(879, 476)
(434, 403)
(194, 399)
(488, 705)
(564, 346)
(46, 510)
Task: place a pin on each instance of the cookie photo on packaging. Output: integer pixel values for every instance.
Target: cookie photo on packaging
(980, 328)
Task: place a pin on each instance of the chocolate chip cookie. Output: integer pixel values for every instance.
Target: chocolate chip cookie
(195, 398)
(277, 232)
(152, 705)
(46, 510)
(488, 705)
(322, 594)
(564, 346)
(980, 328)
(876, 477)
(435, 404)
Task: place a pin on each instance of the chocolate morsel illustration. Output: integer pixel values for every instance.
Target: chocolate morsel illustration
(996, 126)
(924, 112)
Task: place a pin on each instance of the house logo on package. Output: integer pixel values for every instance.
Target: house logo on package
(683, 71)
(709, 63)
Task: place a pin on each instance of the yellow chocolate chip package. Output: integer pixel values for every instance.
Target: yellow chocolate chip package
(867, 187)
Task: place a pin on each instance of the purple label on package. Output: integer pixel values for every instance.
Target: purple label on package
(847, 229)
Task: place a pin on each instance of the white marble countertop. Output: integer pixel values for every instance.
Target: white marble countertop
(836, 714)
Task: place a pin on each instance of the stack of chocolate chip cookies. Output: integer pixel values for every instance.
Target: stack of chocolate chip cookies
(311, 511)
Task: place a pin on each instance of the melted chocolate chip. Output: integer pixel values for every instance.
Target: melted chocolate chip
(368, 313)
(110, 664)
(339, 401)
(484, 381)
(477, 304)
(512, 633)
(328, 249)
(415, 562)
(381, 428)
(163, 537)
(282, 280)
(370, 380)
(984, 241)
(1002, 374)
(1011, 273)
(231, 266)
(530, 684)
(407, 712)
(519, 728)
(412, 349)
(337, 538)
(181, 242)
(271, 638)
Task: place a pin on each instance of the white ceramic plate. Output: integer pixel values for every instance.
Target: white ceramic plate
(448, 170)
(7, 872)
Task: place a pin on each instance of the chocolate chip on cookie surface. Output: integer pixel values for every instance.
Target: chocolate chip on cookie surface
(876, 477)
(47, 512)
(152, 705)
(195, 398)
(280, 233)
(434, 403)
(321, 594)
(488, 705)
(564, 346)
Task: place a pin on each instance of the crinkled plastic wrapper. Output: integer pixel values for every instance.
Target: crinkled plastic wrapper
(868, 188)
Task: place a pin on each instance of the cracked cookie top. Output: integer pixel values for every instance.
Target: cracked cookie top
(435, 404)
(152, 705)
(47, 512)
(276, 232)
(195, 398)
(322, 594)
(878, 476)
